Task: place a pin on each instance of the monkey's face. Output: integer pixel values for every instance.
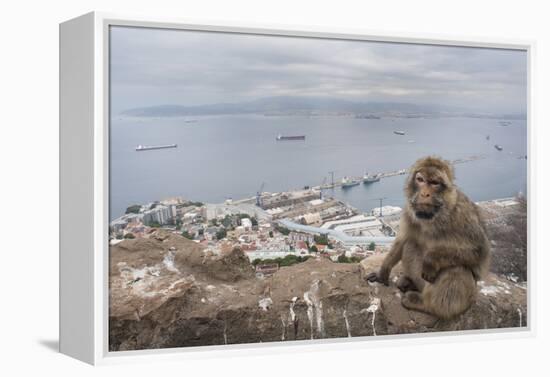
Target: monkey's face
(428, 191)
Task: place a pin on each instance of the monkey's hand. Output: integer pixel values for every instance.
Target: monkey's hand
(429, 270)
(378, 277)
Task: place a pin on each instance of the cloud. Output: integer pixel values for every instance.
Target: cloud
(159, 66)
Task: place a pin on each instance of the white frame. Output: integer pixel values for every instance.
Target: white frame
(84, 54)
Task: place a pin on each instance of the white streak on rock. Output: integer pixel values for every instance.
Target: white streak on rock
(292, 314)
(519, 312)
(169, 262)
(493, 290)
(315, 309)
(309, 312)
(373, 308)
(347, 323)
(284, 327)
(265, 303)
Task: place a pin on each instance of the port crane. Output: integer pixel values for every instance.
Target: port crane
(381, 200)
(331, 178)
(321, 187)
(259, 195)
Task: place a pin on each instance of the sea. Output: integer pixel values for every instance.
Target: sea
(233, 156)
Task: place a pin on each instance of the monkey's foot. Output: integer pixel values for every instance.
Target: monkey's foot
(413, 300)
(429, 272)
(405, 284)
(376, 277)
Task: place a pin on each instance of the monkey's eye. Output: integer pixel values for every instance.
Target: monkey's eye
(433, 183)
(419, 179)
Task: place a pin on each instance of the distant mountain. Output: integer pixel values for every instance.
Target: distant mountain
(287, 105)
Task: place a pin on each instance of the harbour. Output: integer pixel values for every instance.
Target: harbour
(348, 182)
(230, 156)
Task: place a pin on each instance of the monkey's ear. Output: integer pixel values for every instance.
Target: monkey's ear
(449, 171)
(409, 183)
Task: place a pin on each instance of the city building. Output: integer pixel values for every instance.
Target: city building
(160, 214)
(386, 211)
(269, 254)
(298, 236)
(246, 223)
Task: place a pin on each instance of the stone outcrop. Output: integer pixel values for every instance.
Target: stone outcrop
(166, 292)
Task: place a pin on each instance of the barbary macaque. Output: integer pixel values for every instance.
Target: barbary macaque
(441, 243)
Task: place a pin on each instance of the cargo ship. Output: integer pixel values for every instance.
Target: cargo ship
(151, 147)
(347, 182)
(371, 178)
(294, 137)
(366, 116)
(399, 132)
(498, 147)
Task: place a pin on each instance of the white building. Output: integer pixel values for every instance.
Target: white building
(119, 224)
(369, 227)
(161, 214)
(271, 254)
(246, 223)
(311, 218)
(386, 211)
(298, 236)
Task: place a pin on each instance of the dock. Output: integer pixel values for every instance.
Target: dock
(396, 172)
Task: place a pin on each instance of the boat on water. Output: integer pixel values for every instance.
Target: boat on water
(498, 147)
(366, 116)
(348, 182)
(371, 178)
(399, 132)
(290, 137)
(151, 147)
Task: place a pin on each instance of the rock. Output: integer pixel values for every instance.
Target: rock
(190, 299)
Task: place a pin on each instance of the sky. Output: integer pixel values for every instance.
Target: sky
(152, 67)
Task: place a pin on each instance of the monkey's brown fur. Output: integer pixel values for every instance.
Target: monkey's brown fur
(442, 243)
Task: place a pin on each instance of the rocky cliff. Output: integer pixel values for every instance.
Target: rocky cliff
(166, 292)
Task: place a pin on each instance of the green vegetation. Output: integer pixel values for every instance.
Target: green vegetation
(289, 260)
(271, 233)
(154, 224)
(321, 239)
(343, 259)
(254, 221)
(129, 236)
(196, 204)
(282, 230)
(220, 234)
(133, 209)
(314, 249)
(227, 221)
(372, 246)
(187, 235)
